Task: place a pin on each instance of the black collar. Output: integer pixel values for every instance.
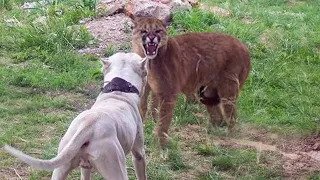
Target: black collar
(119, 84)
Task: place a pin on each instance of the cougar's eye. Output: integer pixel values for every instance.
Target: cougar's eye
(143, 31)
(158, 31)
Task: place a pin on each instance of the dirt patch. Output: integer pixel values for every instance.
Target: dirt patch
(189, 136)
(300, 156)
(19, 172)
(111, 30)
(307, 156)
(78, 101)
(294, 3)
(247, 21)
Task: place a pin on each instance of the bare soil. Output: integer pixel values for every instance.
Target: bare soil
(299, 156)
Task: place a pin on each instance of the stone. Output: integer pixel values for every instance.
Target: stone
(179, 5)
(150, 8)
(159, 8)
(215, 10)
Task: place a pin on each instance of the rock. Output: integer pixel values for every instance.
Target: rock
(108, 31)
(116, 10)
(179, 5)
(150, 8)
(194, 3)
(12, 22)
(215, 10)
(107, 1)
(159, 8)
(83, 21)
(32, 5)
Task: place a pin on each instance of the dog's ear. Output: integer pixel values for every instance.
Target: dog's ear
(167, 20)
(143, 64)
(105, 62)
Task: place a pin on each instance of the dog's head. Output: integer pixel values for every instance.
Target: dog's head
(128, 66)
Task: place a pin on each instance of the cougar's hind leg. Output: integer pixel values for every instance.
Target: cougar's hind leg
(209, 97)
(228, 92)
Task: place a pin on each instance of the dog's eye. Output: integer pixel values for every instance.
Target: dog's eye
(143, 31)
(158, 31)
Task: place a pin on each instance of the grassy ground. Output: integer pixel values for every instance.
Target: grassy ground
(44, 84)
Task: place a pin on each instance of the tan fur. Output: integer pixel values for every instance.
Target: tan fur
(213, 65)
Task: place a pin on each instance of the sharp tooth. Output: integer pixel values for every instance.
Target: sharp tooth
(153, 52)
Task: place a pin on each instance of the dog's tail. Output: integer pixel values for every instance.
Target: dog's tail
(66, 155)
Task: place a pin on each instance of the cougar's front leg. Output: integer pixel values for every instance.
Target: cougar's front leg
(144, 102)
(154, 107)
(167, 104)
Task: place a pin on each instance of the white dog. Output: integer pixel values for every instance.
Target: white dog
(102, 136)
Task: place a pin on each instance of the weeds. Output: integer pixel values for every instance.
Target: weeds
(109, 50)
(44, 83)
(174, 156)
(242, 163)
(206, 150)
(209, 176)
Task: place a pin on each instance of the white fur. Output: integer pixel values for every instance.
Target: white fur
(101, 136)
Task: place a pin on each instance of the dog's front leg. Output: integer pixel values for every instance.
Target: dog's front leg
(138, 156)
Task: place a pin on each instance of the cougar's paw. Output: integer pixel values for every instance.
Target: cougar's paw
(163, 138)
(217, 123)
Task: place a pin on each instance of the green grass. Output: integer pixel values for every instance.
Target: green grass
(281, 90)
(314, 176)
(243, 164)
(44, 84)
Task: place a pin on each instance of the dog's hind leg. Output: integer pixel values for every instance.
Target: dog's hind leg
(85, 173)
(62, 172)
(138, 157)
(109, 159)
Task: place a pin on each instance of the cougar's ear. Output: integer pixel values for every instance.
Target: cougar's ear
(156, 12)
(167, 20)
(133, 19)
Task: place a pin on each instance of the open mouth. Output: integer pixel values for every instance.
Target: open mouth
(151, 48)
